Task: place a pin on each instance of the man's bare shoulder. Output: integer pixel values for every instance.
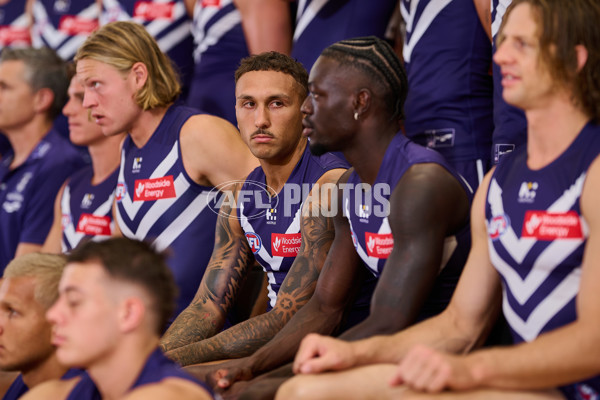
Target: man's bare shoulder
(170, 388)
(54, 389)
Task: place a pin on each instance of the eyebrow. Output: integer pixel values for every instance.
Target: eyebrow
(71, 289)
(270, 98)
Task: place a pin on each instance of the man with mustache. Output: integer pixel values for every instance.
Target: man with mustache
(270, 217)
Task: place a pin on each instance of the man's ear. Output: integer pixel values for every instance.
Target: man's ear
(582, 56)
(42, 100)
(362, 101)
(140, 74)
(131, 313)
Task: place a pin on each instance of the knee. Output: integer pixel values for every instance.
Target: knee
(294, 389)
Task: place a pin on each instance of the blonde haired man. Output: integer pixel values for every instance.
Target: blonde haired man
(172, 158)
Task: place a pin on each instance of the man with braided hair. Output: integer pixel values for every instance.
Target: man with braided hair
(535, 252)
(401, 211)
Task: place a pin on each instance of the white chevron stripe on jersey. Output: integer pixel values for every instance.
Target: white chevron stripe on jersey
(530, 328)
(205, 39)
(112, 11)
(157, 209)
(21, 22)
(74, 237)
(183, 220)
(306, 15)
(407, 16)
(549, 259)
(569, 197)
(275, 261)
(500, 10)
(131, 207)
(370, 261)
(174, 37)
(157, 26)
(69, 230)
(271, 293)
(201, 17)
(430, 12)
(53, 36)
(68, 50)
(518, 248)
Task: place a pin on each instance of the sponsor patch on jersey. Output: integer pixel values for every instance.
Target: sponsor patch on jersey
(65, 221)
(285, 244)
(527, 192)
(120, 191)
(74, 25)
(544, 225)
(211, 3)
(439, 138)
(86, 201)
(254, 242)
(354, 239)
(94, 225)
(11, 35)
(497, 226)
(151, 10)
(379, 245)
(502, 149)
(154, 189)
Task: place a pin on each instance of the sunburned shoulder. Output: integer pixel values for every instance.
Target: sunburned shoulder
(170, 388)
(54, 389)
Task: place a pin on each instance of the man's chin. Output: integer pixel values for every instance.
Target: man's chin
(317, 149)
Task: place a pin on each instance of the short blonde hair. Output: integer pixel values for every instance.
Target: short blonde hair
(45, 268)
(123, 43)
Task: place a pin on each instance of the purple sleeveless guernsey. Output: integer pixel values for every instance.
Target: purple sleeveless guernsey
(537, 238)
(219, 45)
(86, 208)
(28, 192)
(320, 23)
(18, 388)
(272, 224)
(157, 201)
(367, 211)
(63, 25)
(157, 368)
(447, 56)
(167, 21)
(510, 125)
(14, 26)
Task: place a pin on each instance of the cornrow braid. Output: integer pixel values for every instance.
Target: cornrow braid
(377, 58)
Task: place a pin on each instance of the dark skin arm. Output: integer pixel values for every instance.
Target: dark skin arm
(230, 261)
(246, 337)
(427, 205)
(322, 313)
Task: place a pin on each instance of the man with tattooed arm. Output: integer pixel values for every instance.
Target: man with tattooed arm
(277, 216)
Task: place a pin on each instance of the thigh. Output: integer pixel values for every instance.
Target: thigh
(487, 394)
(364, 383)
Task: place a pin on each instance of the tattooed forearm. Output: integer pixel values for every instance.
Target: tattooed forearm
(224, 274)
(245, 338)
